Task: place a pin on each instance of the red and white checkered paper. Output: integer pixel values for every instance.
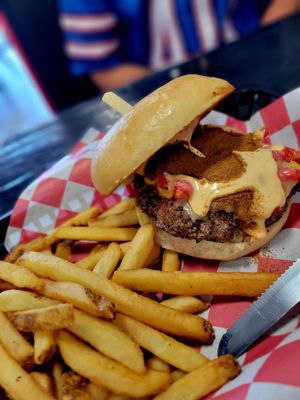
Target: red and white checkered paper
(270, 369)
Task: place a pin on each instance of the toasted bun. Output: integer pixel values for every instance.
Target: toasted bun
(151, 123)
(218, 251)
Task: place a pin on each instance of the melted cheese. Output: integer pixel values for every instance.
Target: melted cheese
(260, 177)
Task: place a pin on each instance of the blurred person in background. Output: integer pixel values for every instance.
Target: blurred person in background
(117, 42)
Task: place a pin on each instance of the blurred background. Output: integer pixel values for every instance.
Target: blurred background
(50, 49)
(35, 80)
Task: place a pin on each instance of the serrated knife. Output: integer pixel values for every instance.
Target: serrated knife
(268, 309)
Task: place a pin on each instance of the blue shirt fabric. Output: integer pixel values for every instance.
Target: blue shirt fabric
(100, 34)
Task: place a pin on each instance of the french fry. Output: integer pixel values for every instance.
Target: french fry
(114, 396)
(18, 276)
(63, 250)
(129, 303)
(104, 306)
(158, 364)
(16, 252)
(83, 217)
(48, 318)
(125, 246)
(57, 372)
(49, 240)
(200, 382)
(97, 392)
(20, 300)
(95, 233)
(89, 262)
(142, 217)
(250, 284)
(80, 297)
(109, 340)
(17, 382)
(188, 304)
(106, 372)
(35, 245)
(44, 346)
(99, 248)
(140, 249)
(6, 285)
(170, 261)
(43, 380)
(47, 250)
(13, 342)
(153, 256)
(177, 374)
(108, 262)
(80, 219)
(166, 348)
(74, 386)
(127, 218)
(121, 207)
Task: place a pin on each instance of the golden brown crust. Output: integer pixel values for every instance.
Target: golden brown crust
(153, 122)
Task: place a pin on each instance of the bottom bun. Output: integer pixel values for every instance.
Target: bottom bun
(215, 250)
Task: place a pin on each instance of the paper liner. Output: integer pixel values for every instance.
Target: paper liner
(270, 368)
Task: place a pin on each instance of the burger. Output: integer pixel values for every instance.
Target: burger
(210, 191)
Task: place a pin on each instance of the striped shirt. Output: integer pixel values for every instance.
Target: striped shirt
(101, 34)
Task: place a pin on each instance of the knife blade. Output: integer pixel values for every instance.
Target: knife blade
(268, 309)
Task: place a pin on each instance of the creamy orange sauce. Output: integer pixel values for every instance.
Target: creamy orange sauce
(260, 177)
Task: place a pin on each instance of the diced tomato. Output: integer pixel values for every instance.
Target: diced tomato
(287, 154)
(289, 173)
(162, 180)
(182, 190)
(277, 155)
(296, 156)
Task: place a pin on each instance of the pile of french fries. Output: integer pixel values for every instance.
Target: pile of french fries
(113, 324)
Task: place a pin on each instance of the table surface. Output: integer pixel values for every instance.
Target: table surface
(268, 60)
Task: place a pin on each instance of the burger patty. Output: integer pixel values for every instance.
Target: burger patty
(173, 217)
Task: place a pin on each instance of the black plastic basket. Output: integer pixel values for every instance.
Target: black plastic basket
(243, 104)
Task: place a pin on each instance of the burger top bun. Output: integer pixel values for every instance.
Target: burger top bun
(151, 123)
